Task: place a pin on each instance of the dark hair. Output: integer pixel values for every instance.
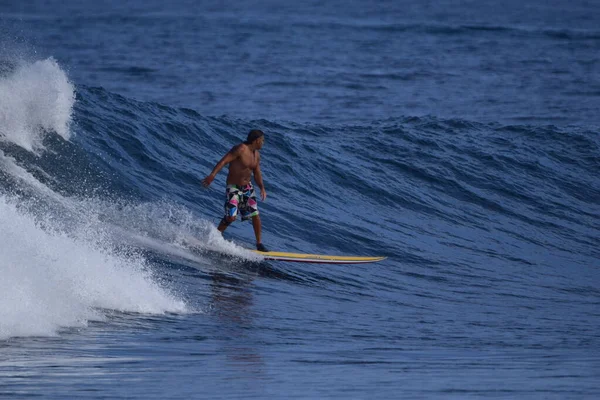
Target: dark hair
(253, 135)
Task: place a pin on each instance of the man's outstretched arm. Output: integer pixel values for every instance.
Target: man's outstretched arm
(227, 158)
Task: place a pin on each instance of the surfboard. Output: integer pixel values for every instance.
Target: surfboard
(316, 258)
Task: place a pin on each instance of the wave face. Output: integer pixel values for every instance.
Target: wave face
(464, 147)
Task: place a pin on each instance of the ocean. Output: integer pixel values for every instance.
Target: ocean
(461, 140)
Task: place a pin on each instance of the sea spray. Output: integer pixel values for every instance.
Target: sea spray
(51, 279)
(35, 98)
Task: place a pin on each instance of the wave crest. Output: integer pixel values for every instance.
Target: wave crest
(37, 98)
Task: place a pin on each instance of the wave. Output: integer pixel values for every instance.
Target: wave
(538, 175)
(93, 184)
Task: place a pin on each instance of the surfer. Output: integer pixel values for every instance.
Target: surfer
(243, 160)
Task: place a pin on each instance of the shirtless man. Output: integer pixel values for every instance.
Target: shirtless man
(243, 160)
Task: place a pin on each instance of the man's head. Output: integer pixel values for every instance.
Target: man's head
(255, 138)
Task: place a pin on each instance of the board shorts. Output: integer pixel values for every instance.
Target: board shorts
(240, 199)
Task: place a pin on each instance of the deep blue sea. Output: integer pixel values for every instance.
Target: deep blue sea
(461, 140)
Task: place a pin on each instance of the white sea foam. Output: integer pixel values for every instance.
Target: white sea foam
(51, 280)
(35, 98)
(168, 229)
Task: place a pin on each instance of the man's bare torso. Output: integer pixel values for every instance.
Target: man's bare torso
(240, 169)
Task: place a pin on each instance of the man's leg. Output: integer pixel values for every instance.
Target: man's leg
(225, 222)
(257, 228)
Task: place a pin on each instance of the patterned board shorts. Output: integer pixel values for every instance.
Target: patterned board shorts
(242, 199)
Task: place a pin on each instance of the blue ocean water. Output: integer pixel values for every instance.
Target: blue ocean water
(460, 140)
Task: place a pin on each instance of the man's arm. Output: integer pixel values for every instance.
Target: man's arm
(259, 180)
(227, 158)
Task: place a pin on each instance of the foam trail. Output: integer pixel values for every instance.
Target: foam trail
(165, 227)
(51, 280)
(36, 98)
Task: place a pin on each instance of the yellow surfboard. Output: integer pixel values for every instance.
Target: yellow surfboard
(316, 258)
